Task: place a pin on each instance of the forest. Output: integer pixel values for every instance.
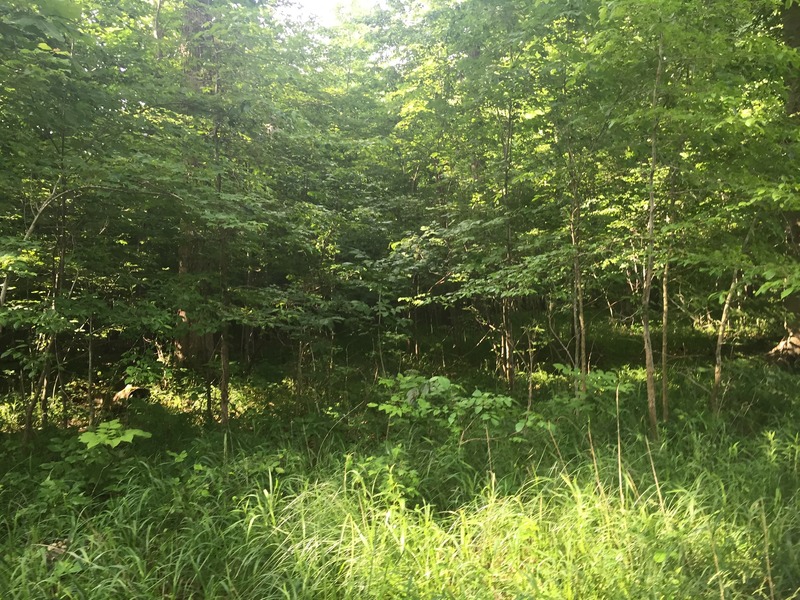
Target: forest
(452, 299)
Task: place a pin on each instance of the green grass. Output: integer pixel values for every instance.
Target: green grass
(312, 509)
(718, 520)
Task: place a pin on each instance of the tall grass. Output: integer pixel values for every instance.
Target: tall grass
(699, 516)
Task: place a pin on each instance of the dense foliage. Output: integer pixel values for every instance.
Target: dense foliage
(498, 280)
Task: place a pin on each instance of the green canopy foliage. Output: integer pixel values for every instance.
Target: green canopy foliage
(221, 170)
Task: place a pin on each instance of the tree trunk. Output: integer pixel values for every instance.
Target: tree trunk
(791, 36)
(788, 349)
(209, 401)
(195, 349)
(650, 256)
(508, 344)
(531, 354)
(224, 397)
(41, 386)
(664, 342)
(157, 33)
(64, 403)
(578, 316)
(723, 324)
(90, 375)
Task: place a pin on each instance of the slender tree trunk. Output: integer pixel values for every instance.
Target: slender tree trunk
(381, 366)
(650, 256)
(64, 403)
(583, 357)
(55, 390)
(575, 352)
(90, 375)
(580, 359)
(578, 316)
(650, 374)
(714, 404)
(209, 400)
(44, 405)
(507, 343)
(224, 379)
(301, 351)
(39, 394)
(664, 342)
(157, 28)
(247, 331)
(531, 353)
(41, 386)
(31, 405)
(224, 351)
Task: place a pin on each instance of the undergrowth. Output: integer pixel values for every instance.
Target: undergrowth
(567, 510)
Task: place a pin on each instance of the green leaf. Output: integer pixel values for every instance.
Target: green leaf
(61, 8)
(90, 438)
(65, 566)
